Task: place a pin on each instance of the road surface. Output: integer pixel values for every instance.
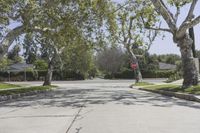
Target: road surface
(99, 106)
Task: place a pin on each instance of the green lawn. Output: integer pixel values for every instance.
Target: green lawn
(142, 84)
(7, 86)
(9, 89)
(175, 88)
(24, 89)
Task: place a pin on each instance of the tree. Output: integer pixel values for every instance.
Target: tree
(132, 33)
(191, 33)
(30, 49)
(110, 60)
(181, 37)
(62, 20)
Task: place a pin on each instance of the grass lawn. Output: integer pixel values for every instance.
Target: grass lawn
(24, 89)
(175, 88)
(142, 84)
(7, 86)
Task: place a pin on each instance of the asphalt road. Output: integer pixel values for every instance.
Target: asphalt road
(99, 106)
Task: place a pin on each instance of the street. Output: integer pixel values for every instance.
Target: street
(99, 106)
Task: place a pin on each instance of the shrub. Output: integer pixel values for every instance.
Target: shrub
(129, 74)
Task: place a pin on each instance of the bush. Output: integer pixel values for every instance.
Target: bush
(40, 76)
(108, 76)
(158, 74)
(129, 74)
(174, 77)
(125, 74)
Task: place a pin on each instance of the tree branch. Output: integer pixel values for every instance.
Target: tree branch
(129, 30)
(190, 13)
(159, 29)
(9, 38)
(177, 14)
(187, 25)
(120, 7)
(194, 22)
(166, 14)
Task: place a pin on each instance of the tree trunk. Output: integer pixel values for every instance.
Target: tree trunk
(191, 33)
(138, 74)
(134, 60)
(49, 74)
(190, 74)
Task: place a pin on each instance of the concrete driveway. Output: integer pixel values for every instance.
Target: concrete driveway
(99, 106)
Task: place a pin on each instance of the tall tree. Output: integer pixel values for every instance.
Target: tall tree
(192, 36)
(181, 36)
(132, 33)
(110, 60)
(56, 19)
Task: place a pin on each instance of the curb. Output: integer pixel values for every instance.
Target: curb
(188, 97)
(15, 96)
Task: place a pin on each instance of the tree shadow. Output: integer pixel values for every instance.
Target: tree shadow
(76, 98)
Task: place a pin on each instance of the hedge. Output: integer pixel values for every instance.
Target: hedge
(129, 74)
(40, 75)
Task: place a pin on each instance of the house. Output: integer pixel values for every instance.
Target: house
(19, 67)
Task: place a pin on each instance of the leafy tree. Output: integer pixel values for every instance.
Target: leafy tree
(58, 21)
(40, 64)
(180, 35)
(132, 33)
(4, 64)
(169, 58)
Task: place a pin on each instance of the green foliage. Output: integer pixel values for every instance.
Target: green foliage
(175, 88)
(178, 3)
(5, 7)
(124, 74)
(4, 64)
(7, 86)
(130, 74)
(30, 49)
(167, 87)
(174, 77)
(169, 58)
(79, 58)
(158, 73)
(13, 55)
(40, 65)
(142, 84)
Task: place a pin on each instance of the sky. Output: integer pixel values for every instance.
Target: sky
(166, 45)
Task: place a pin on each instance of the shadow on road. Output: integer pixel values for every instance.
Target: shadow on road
(76, 98)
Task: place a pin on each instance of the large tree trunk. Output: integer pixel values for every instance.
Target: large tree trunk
(191, 33)
(9, 38)
(49, 74)
(190, 74)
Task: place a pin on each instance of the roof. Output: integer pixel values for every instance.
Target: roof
(19, 67)
(165, 66)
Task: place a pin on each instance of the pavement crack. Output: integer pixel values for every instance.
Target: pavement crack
(78, 114)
